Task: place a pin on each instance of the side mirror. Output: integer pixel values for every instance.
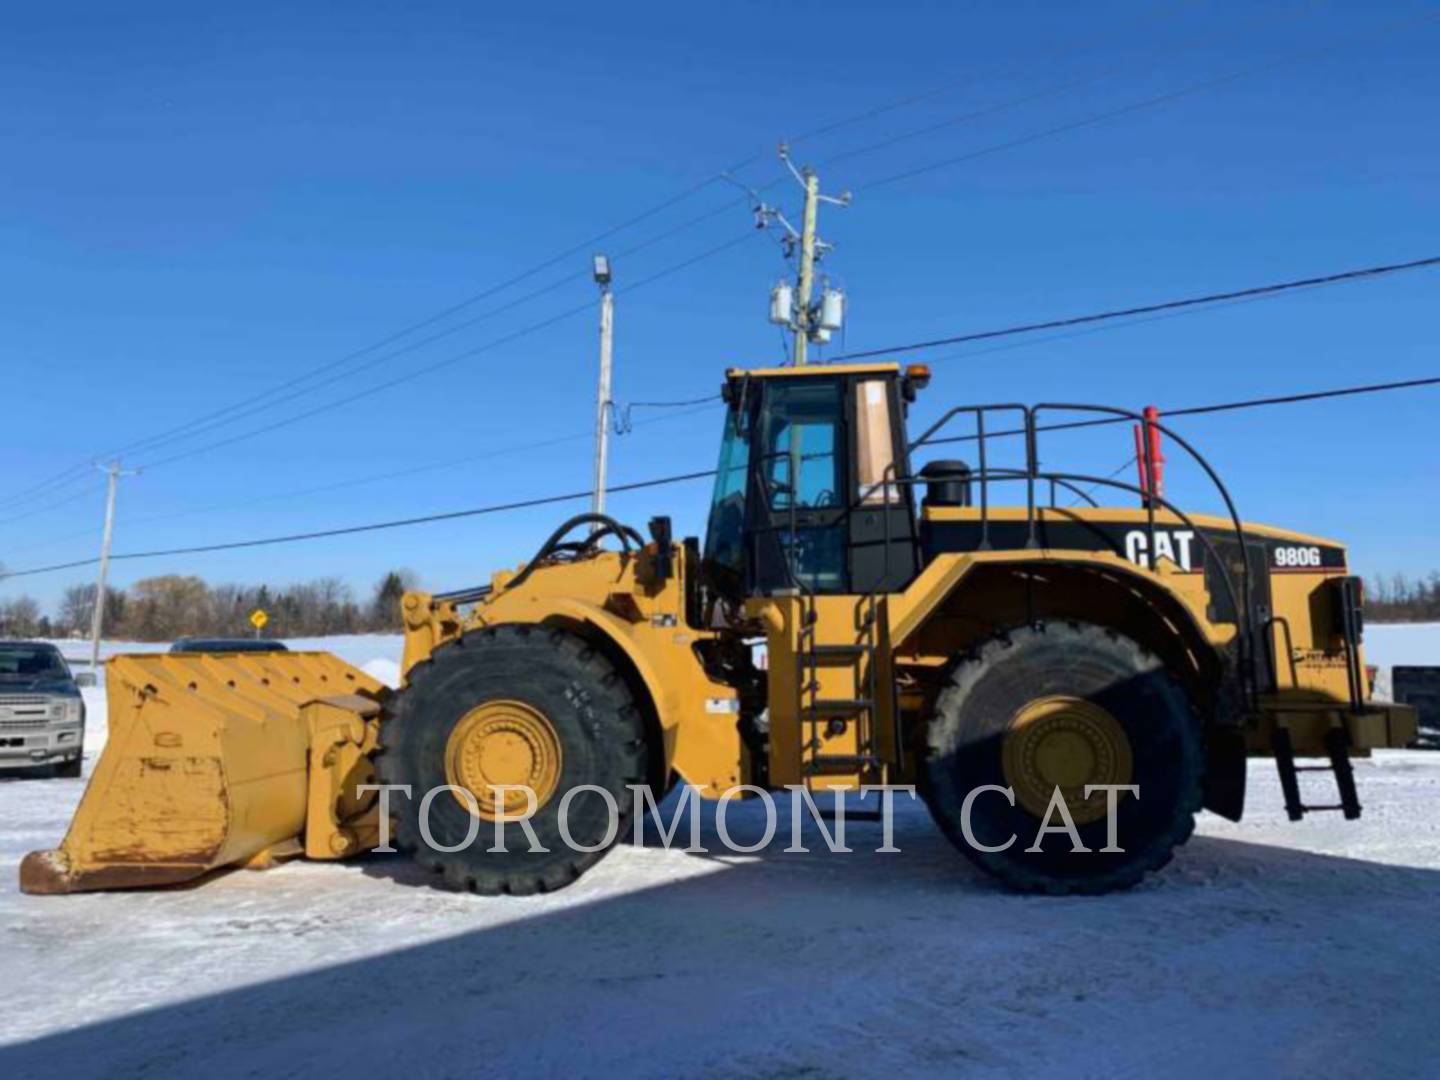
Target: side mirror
(85, 678)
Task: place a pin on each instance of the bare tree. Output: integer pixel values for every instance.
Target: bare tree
(164, 608)
(19, 617)
(230, 608)
(77, 606)
(385, 605)
(168, 607)
(1398, 599)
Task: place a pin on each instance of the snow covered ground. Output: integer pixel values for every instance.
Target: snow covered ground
(1265, 949)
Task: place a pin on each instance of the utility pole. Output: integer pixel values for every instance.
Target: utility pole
(805, 286)
(603, 403)
(794, 307)
(97, 616)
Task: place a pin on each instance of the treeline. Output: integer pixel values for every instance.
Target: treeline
(1400, 599)
(176, 606)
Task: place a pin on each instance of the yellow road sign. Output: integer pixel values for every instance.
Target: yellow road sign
(258, 618)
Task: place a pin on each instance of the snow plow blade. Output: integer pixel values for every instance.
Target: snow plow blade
(217, 760)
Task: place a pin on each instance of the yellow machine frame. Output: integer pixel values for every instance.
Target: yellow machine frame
(215, 761)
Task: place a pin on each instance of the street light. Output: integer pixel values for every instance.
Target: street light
(600, 265)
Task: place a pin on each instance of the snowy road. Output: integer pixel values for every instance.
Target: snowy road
(1265, 949)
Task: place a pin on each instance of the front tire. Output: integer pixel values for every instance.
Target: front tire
(1058, 707)
(512, 704)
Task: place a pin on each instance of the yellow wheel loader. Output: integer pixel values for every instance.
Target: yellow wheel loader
(1086, 676)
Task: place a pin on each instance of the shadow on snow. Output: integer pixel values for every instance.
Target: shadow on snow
(1237, 956)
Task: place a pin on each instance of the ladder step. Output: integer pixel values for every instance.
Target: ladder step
(1337, 746)
(1337, 743)
(826, 708)
(840, 764)
(839, 652)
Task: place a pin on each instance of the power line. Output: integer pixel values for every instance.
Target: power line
(440, 335)
(1202, 410)
(453, 309)
(370, 391)
(1147, 309)
(1243, 296)
(321, 489)
(61, 479)
(376, 526)
(1250, 293)
(1144, 103)
(624, 424)
(1197, 410)
(1101, 328)
(998, 70)
(193, 427)
(1292, 399)
(1090, 489)
(360, 481)
(200, 422)
(205, 422)
(47, 507)
(672, 404)
(1054, 90)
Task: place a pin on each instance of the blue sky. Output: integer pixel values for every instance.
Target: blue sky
(203, 203)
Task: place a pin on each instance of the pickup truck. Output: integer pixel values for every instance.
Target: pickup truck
(42, 715)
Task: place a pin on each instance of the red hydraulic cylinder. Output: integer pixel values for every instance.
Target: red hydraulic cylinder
(1147, 438)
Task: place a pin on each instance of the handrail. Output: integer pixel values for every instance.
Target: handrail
(1240, 599)
(1111, 482)
(1242, 610)
(1210, 550)
(979, 412)
(1284, 624)
(1053, 479)
(1185, 445)
(1030, 428)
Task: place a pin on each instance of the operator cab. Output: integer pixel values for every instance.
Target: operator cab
(805, 493)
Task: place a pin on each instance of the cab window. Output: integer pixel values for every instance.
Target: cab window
(801, 441)
(874, 444)
(725, 530)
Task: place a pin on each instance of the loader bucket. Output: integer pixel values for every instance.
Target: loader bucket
(215, 760)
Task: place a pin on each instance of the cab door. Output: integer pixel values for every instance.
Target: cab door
(798, 504)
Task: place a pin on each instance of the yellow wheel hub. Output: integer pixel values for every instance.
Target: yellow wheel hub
(1065, 742)
(503, 742)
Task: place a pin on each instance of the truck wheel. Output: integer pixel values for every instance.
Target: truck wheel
(513, 705)
(1062, 706)
(69, 770)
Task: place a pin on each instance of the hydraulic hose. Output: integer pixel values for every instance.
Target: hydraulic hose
(609, 525)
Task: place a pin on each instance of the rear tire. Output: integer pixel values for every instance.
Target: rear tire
(598, 737)
(1105, 674)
